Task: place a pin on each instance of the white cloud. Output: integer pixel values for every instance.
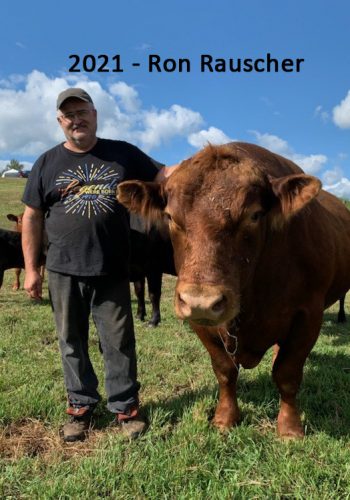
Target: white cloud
(331, 177)
(332, 180)
(340, 188)
(272, 142)
(341, 113)
(160, 126)
(319, 112)
(266, 101)
(144, 47)
(28, 124)
(127, 96)
(20, 45)
(28, 121)
(311, 164)
(343, 156)
(335, 182)
(213, 136)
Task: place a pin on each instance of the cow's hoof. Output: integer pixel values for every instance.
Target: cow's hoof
(15, 287)
(152, 324)
(222, 429)
(291, 434)
(154, 321)
(224, 425)
(290, 428)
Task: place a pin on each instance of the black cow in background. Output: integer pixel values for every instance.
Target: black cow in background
(17, 220)
(151, 257)
(11, 255)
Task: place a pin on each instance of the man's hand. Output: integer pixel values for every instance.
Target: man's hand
(33, 284)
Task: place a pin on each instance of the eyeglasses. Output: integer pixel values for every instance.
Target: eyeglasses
(80, 114)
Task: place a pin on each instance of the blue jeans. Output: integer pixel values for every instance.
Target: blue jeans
(73, 298)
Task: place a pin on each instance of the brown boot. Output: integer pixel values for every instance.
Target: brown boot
(78, 425)
(131, 424)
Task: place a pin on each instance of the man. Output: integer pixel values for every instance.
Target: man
(72, 189)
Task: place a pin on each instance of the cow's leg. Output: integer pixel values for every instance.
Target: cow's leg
(154, 281)
(288, 371)
(287, 374)
(16, 283)
(139, 288)
(341, 313)
(226, 371)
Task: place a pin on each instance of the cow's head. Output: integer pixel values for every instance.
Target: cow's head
(17, 219)
(221, 206)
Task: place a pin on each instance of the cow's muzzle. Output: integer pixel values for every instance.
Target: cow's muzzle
(209, 305)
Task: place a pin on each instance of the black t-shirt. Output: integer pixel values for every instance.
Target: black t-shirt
(87, 229)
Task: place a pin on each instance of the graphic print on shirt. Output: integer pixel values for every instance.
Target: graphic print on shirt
(88, 190)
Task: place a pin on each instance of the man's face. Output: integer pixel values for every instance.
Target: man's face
(78, 120)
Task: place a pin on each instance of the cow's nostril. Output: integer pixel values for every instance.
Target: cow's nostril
(219, 304)
(182, 302)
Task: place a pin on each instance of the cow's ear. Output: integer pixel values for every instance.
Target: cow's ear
(144, 198)
(293, 193)
(12, 217)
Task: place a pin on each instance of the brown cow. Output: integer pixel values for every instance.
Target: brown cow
(260, 252)
(341, 313)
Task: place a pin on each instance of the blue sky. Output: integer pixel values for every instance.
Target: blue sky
(303, 115)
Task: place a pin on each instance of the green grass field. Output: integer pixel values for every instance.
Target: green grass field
(181, 456)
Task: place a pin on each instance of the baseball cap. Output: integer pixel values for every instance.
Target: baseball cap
(72, 92)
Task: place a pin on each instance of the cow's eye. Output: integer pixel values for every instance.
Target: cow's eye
(173, 224)
(257, 215)
(167, 215)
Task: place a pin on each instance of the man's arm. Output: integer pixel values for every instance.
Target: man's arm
(165, 172)
(32, 236)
